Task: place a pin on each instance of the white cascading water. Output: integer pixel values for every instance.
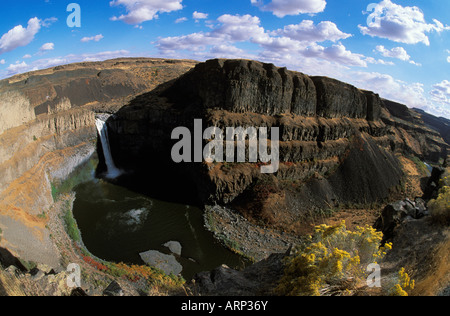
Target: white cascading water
(112, 172)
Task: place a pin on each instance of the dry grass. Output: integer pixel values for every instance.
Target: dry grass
(438, 277)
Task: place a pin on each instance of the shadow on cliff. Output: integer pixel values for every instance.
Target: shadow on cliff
(141, 146)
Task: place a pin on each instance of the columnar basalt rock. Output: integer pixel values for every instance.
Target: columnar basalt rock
(331, 133)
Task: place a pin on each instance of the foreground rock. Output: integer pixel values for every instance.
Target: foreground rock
(395, 213)
(166, 263)
(258, 279)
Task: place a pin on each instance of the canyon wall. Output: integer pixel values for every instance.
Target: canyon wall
(47, 129)
(339, 145)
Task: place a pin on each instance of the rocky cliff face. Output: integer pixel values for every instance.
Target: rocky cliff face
(47, 128)
(338, 145)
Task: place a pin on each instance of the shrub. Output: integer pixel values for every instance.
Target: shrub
(403, 285)
(71, 226)
(440, 208)
(333, 262)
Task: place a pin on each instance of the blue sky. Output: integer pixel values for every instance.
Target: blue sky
(397, 48)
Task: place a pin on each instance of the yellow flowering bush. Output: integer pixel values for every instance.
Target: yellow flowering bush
(403, 285)
(333, 262)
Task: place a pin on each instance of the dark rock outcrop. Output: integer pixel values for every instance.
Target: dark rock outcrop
(339, 142)
(259, 279)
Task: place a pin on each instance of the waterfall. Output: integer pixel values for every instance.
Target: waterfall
(112, 171)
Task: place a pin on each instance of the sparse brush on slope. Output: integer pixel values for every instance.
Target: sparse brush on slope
(440, 207)
(335, 262)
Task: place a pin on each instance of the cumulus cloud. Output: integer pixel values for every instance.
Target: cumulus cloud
(139, 11)
(336, 53)
(18, 68)
(441, 93)
(411, 94)
(371, 60)
(19, 36)
(181, 20)
(307, 31)
(2, 62)
(199, 16)
(47, 47)
(400, 24)
(95, 38)
(300, 40)
(396, 52)
(281, 8)
(48, 22)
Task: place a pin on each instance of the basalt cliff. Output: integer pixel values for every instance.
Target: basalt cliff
(340, 147)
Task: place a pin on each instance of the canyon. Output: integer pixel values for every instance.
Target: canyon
(341, 148)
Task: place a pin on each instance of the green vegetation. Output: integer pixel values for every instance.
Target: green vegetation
(29, 265)
(420, 165)
(440, 207)
(42, 216)
(71, 224)
(80, 175)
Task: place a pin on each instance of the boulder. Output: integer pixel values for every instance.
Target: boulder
(399, 212)
(167, 263)
(114, 289)
(257, 279)
(174, 247)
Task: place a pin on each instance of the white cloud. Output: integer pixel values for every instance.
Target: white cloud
(400, 24)
(2, 62)
(27, 56)
(281, 8)
(227, 51)
(181, 20)
(336, 53)
(47, 47)
(95, 38)
(411, 94)
(396, 52)
(441, 93)
(19, 36)
(48, 22)
(374, 61)
(139, 11)
(199, 16)
(18, 68)
(294, 40)
(306, 31)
